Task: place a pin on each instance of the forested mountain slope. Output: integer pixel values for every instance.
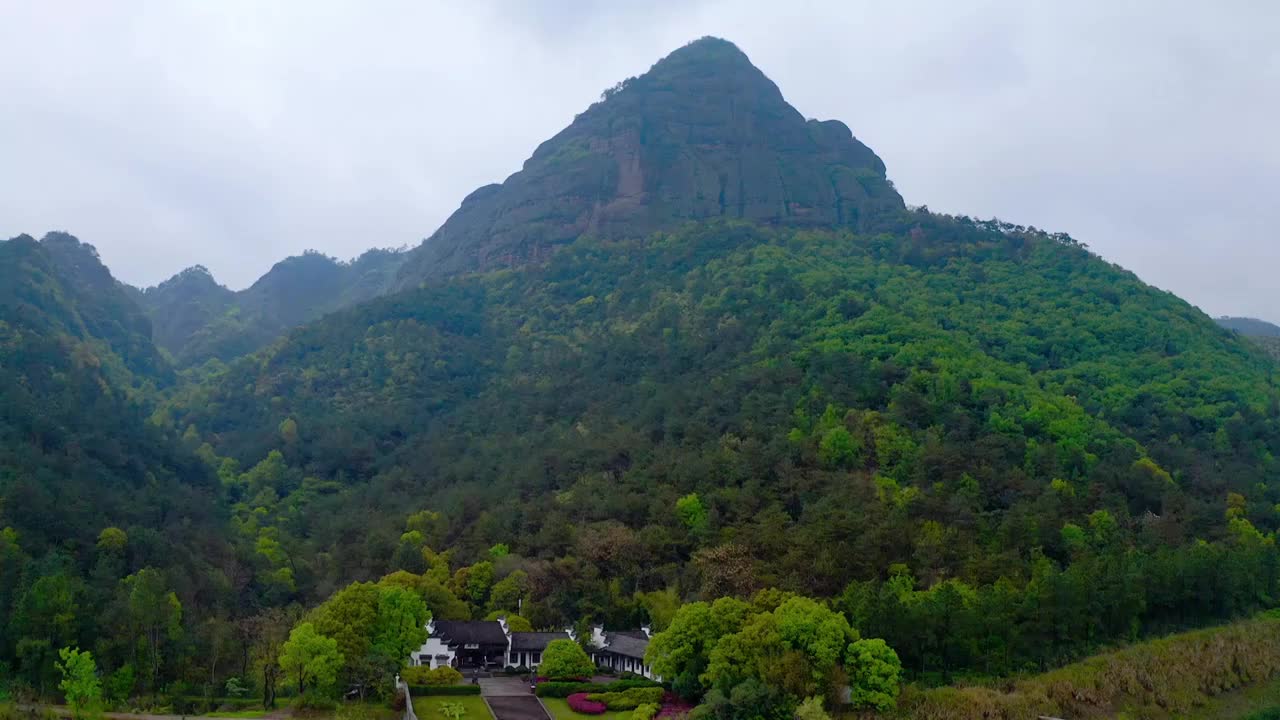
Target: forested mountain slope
(196, 319)
(946, 397)
(78, 456)
(670, 359)
(1250, 327)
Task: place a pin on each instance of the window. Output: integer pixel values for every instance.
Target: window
(515, 658)
(535, 658)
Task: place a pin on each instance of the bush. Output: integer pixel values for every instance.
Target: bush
(565, 659)
(629, 699)
(645, 711)
(422, 675)
(565, 689)
(314, 702)
(581, 703)
(425, 690)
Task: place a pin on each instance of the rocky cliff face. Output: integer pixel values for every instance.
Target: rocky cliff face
(703, 134)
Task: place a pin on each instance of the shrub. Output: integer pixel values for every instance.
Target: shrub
(811, 709)
(565, 659)
(314, 702)
(645, 712)
(425, 690)
(629, 699)
(421, 675)
(565, 689)
(580, 703)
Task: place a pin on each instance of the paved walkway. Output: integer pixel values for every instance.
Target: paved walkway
(505, 686)
(509, 699)
(511, 707)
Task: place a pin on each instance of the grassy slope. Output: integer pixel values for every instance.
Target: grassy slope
(428, 708)
(1223, 672)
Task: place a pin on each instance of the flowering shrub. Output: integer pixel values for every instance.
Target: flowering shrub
(580, 703)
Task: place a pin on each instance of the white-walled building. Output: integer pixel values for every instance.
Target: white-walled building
(490, 644)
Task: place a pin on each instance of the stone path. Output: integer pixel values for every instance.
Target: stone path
(511, 707)
(509, 699)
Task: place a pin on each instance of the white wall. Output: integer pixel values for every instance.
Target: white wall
(426, 655)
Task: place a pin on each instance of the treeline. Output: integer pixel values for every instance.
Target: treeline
(1175, 676)
(1106, 594)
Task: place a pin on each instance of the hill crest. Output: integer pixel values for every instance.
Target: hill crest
(703, 134)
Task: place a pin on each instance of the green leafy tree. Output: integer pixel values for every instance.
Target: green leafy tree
(565, 659)
(874, 673)
(796, 648)
(684, 649)
(401, 622)
(692, 513)
(155, 613)
(47, 618)
(812, 709)
(510, 591)
(312, 659)
(80, 682)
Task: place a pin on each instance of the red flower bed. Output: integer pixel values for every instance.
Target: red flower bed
(579, 703)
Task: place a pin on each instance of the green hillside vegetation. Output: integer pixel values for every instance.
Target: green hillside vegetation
(1173, 677)
(196, 319)
(956, 422)
(744, 372)
(91, 493)
(1269, 345)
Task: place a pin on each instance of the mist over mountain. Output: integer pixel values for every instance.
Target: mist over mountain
(196, 319)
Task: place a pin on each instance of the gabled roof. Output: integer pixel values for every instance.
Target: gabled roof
(470, 632)
(626, 644)
(535, 641)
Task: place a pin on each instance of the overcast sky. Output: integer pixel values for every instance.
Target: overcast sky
(232, 134)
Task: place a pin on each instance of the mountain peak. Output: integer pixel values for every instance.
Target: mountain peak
(702, 134)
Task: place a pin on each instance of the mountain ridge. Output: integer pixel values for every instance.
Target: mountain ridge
(196, 319)
(702, 134)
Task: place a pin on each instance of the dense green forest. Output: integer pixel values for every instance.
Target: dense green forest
(976, 441)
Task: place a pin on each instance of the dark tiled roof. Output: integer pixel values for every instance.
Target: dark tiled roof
(626, 644)
(467, 632)
(535, 641)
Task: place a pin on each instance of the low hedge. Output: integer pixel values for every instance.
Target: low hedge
(646, 711)
(565, 689)
(425, 690)
(582, 703)
(629, 699)
(423, 676)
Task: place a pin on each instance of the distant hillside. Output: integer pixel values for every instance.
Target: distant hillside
(197, 319)
(77, 453)
(1251, 327)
